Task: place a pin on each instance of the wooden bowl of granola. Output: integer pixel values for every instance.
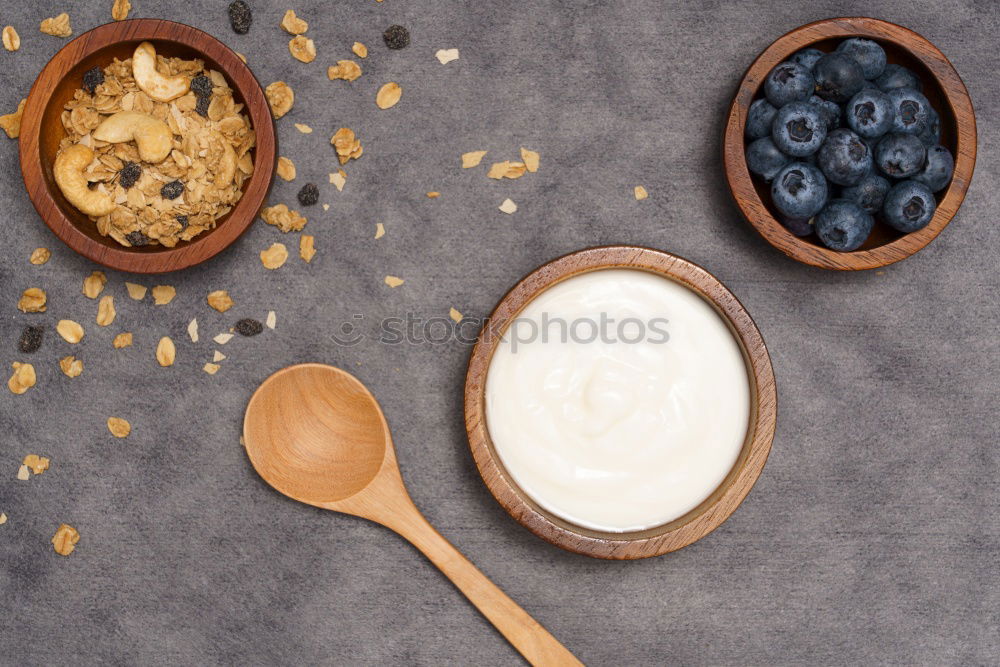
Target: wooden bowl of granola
(149, 213)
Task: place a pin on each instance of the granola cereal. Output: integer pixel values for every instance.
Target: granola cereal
(122, 340)
(165, 351)
(281, 98)
(37, 464)
(455, 315)
(71, 331)
(40, 256)
(508, 206)
(388, 95)
(120, 9)
(445, 56)
(302, 49)
(11, 40)
(640, 192)
(106, 311)
(193, 330)
(65, 539)
(149, 125)
(307, 247)
(303, 128)
(292, 24)
(163, 294)
(136, 291)
(11, 122)
(530, 159)
(23, 378)
(360, 50)
(211, 368)
(338, 179)
(94, 284)
(284, 218)
(220, 300)
(57, 26)
(347, 145)
(393, 281)
(472, 159)
(120, 428)
(71, 366)
(269, 322)
(23, 473)
(32, 301)
(275, 256)
(347, 70)
(286, 168)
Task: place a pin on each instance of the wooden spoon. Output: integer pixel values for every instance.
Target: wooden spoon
(316, 434)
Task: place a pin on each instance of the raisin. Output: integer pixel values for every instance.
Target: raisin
(240, 16)
(248, 327)
(201, 86)
(129, 174)
(92, 78)
(201, 107)
(182, 220)
(396, 37)
(309, 194)
(172, 190)
(137, 239)
(31, 339)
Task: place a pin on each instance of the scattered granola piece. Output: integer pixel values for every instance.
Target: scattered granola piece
(119, 427)
(223, 338)
(275, 256)
(120, 10)
(302, 48)
(23, 378)
(122, 340)
(193, 330)
(94, 284)
(307, 247)
(23, 473)
(326, 207)
(163, 294)
(211, 368)
(284, 218)
(303, 128)
(286, 168)
(338, 179)
(347, 145)
(508, 206)
(271, 320)
(37, 464)
(217, 356)
(379, 230)
(640, 192)
(472, 159)
(292, 24)
(347, 70)
(360, 50)
(165, 351)
(11, 40)
(3, 518)
(388, 95)
(530, 159)
(40, 256)
(57, 26)
(32, 301)
(445, 56)
(455, 315)
(11, 123)
(71, 366)
(65, 539)
(71, 331)
(136, 291)
(433, 195)
(393, 281)
(498, 170)
(220, 300)
(106, 310)
(281, 98)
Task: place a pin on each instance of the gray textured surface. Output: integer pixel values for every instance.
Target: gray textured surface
(872, 536)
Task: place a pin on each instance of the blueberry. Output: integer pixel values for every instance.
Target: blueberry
(870, 113)
(838, 77)
(201, 86)
(759, 119)
(868, 54)
(830, 111)
(31, 339)
(900, 155)
(309, 194)
(92, 78)
(240, 16)
(172, 190)
(911, 109)
(897, 76)
(936, 173)
(807, 57)
(396, 37)
(797, 226)
(842, 225)
(764, 158)
(798, 129)
(909, 206)
(248, 327)
(788, 82)
(869, 193)
(844, 158)
(129, 174)
(932, 131)
(799, 191)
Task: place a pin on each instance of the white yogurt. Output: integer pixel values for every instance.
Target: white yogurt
(613, 434)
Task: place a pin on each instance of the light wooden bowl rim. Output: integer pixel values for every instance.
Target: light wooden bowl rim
(959, 106)
(717, 507)
(158, 259)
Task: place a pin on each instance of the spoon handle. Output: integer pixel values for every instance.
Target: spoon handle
(525, 633)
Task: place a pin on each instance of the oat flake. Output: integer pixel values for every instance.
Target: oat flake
(508, 206)
(472, 158)
(393, 281)
(271, 320)
(193, 330)
(163, 294)
(135, 291)
(445, 56)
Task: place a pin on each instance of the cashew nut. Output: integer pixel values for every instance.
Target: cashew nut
(227, 166)
(68, 172)
(152, 136)
(158, 86)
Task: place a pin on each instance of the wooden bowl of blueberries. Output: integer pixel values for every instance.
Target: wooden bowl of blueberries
(850, 144)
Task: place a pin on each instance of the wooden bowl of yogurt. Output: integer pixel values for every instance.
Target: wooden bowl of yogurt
(620, 402)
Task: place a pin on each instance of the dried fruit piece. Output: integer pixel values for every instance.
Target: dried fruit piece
(136, 291)
(31, 339)
(11, 122)
(92, 78)
(68, 172)
(286, 168)
(393, 281)
(122, 340)
(347, 70)
(65, 539)
(271, 320)
(302, 48)
(292, 24)
(455, 315)
(40, 256)
(360, 50)
(32, 301)
(640, 192)
(193, 330)
(281, 98)
(57, 26)
(347, 145)
(530, 159)
(71, 366)
(71, 331)
(202, 86)
(11, 40)
(119, 427)
(284, 218)
(248, 327)
(308, 195)
(445, 56)
(23, 378)
(307, 247)
(220, 300)
(240, 16)
(172, 190)
(37, 464)
(94, 284)
(136, 239)
(120, 10)
(379, 230)
(303, 128)
(275, 256)
(165, 351)
(508, 206)
(388, 95)
(129, 174)
(396, 37)
(163, 294)
(211, 368)
(472, 159)
(106, 311)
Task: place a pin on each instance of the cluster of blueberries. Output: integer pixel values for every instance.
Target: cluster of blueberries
(831, 179)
